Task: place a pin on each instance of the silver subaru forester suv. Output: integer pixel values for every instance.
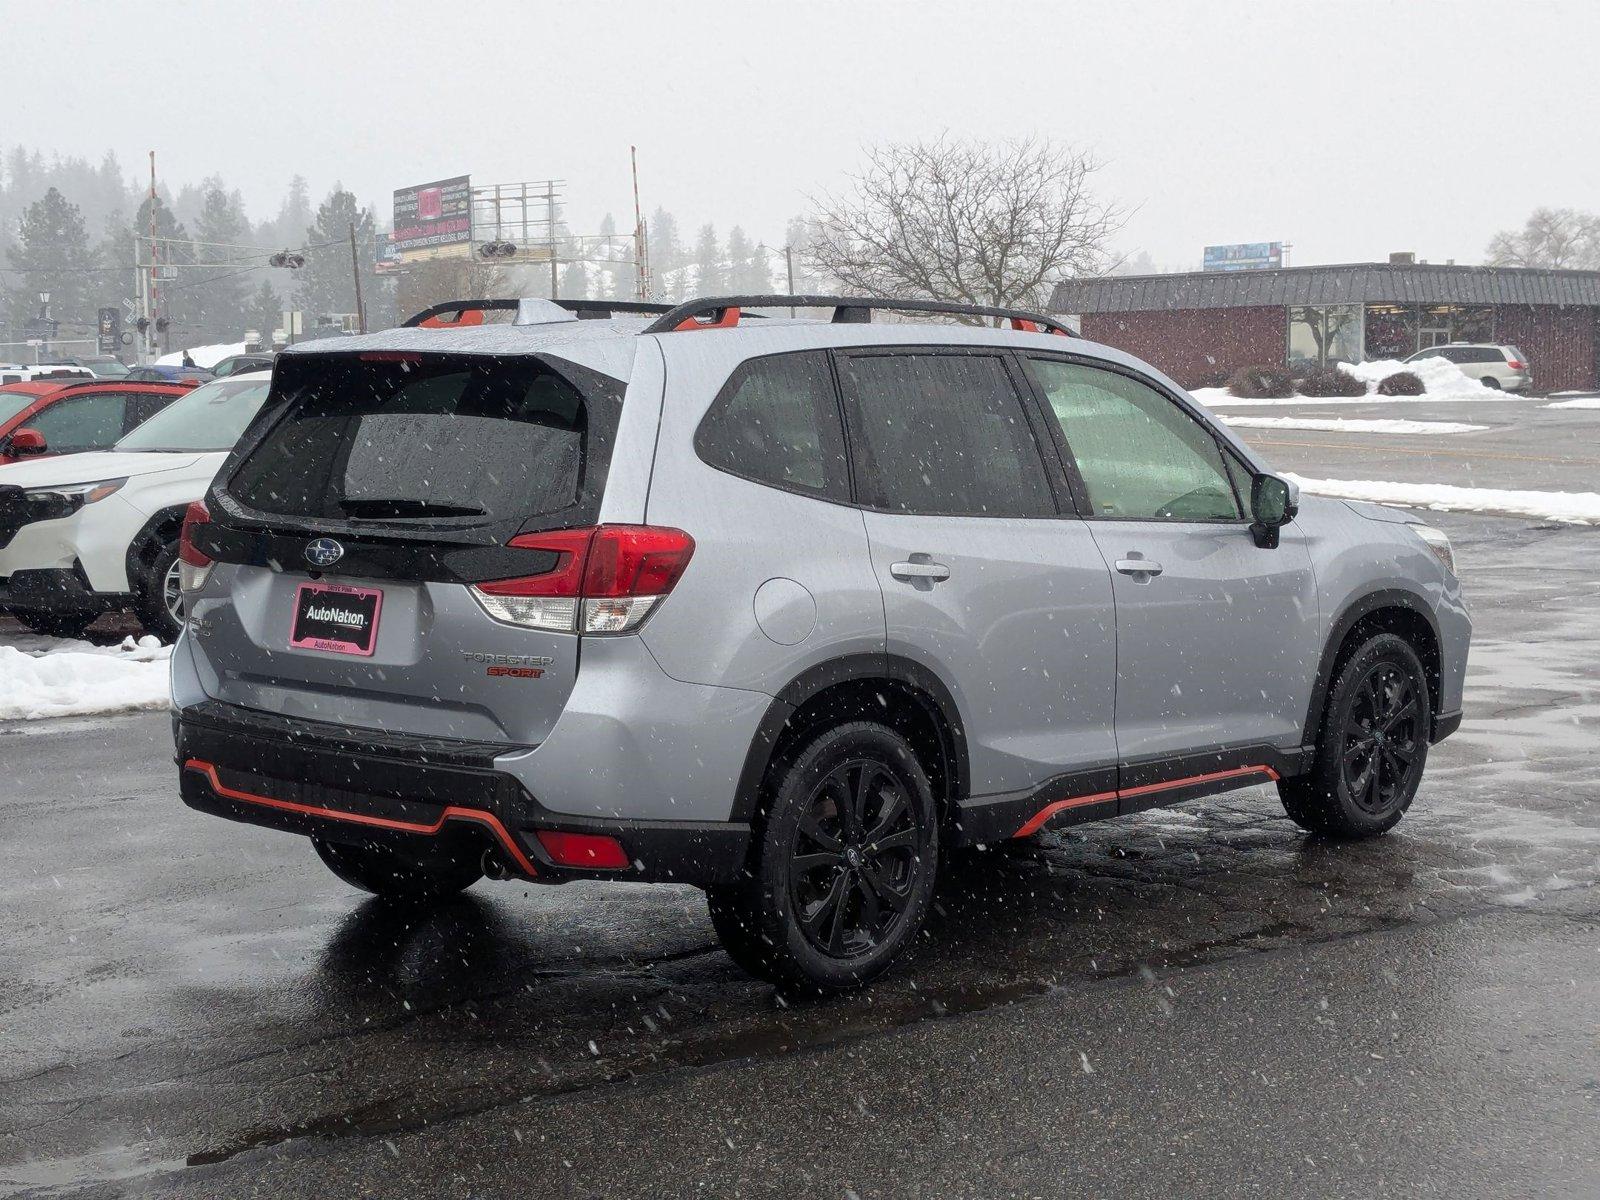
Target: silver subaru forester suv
(785, 609)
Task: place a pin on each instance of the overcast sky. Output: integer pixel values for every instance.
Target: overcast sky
(1349, 129)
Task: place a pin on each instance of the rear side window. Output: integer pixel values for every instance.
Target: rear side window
(942, 434)
(92, 422)
(464, 439)
(777, 422)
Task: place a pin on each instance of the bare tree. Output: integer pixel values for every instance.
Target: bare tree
(1563, 238)
(974, 222)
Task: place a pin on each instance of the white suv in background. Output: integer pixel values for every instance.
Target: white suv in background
(86, 534)
(1503, 367)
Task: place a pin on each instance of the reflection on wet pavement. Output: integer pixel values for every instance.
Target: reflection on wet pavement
(214, 994)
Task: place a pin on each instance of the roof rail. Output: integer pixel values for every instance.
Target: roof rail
(471, 312)
(721, 312)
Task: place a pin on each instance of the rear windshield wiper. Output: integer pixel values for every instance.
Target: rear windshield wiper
(402, 508)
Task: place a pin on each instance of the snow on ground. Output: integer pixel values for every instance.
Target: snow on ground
(71, 678)
(1445, 383)
(1575, 508)
(1350, 425)
(1577, 402)
(204, 356)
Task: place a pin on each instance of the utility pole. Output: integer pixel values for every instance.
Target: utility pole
(641, 246)
(550, 212)
(154, 259)
(355, 271)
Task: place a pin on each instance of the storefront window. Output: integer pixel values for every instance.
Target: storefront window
(1391, 330)
(1324, 334)
(1397, 330)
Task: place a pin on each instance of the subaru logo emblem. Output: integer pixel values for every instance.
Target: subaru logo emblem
(324, 552)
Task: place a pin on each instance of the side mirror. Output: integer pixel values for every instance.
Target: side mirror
(28, 442)
(1272, 506)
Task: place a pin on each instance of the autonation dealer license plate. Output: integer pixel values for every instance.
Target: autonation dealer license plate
(336, 618)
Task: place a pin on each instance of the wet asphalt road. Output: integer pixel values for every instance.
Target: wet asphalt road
(1198, 1001)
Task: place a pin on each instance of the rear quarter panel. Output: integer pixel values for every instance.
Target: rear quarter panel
(807, 558)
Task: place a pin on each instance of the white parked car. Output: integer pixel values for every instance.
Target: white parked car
(1503, 367)
(87, 534)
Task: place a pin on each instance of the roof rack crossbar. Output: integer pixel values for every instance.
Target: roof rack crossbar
(713, 311)
(459, 311)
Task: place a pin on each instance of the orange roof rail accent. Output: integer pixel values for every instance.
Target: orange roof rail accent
(728, 319)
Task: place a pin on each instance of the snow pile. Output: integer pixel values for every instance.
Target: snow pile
(1577, 402)
(1443, 379)
(204, 356)
(1351, 424)
(1446, 383)
(73, 678)
(1574, 508)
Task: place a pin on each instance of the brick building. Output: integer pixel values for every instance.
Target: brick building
(1198, 324)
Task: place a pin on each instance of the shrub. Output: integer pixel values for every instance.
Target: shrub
(1331, 381)
(1213, 379)
(1402, 383)
(1261, 383)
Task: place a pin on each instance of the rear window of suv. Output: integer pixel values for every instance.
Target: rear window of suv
(465, 439)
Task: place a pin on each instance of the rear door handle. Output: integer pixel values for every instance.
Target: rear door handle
(1138, 566)
(910, 571)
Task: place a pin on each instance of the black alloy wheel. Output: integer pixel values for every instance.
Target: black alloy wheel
(855, 859)
(841, 874)
(1381, 732)
(1372, 744)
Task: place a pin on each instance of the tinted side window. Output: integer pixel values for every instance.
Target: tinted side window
(1140, 455)
(777, 422)
(943, 434)
(91, 422)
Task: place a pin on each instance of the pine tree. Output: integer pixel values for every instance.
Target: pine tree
(747, 265)
(666, 255)
(52, 255)
(266, 312)
(326, 285)
(127, 243)
(711, 277)
(575, 281)
(219, 293)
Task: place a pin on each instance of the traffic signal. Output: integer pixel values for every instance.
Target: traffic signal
(291, 259)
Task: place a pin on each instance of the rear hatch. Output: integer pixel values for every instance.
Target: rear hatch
(349, 527)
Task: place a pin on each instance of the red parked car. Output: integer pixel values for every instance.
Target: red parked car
(51, 416)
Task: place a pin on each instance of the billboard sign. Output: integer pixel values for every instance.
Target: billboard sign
(109, 330)
(1244, 256)
(434, 220)
(388, 254)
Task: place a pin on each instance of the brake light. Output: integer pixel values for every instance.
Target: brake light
(605, 580)
(1514, 365)
(194, 565)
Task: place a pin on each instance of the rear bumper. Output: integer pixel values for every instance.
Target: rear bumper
(316, 778)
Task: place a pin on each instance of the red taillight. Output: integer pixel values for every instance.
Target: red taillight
(583, 850)
(564, 579)
(635, 560)
(605, 579)
(197, 515)
(1514, 365)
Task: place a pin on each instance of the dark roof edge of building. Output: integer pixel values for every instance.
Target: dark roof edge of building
(1418, 283)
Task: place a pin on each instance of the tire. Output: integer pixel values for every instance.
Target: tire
(157, 604)
(1360, 785)
(843, 870)
(54, 624)
(1489, 381)
(396, 875)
